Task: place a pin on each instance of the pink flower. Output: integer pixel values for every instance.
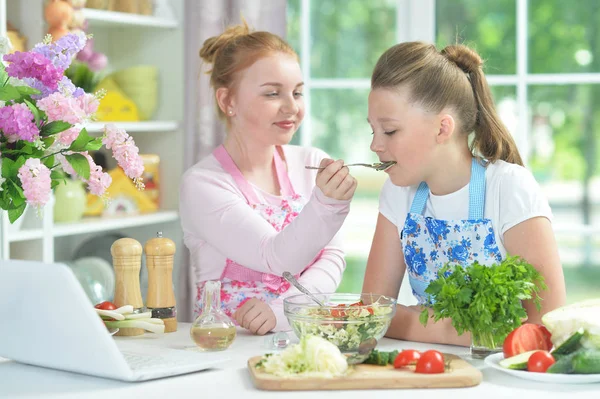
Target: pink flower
(88, 103)
(68, 136)
(59, 107)
(33, 65)
(113, 136)
(98, 182)
(125, 152)
(36, 182)
(17, 123)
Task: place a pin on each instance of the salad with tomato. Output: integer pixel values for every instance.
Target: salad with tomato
(345, 326)
(567, 342)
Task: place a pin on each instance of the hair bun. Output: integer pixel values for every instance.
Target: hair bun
(214, 44)
(465, 58)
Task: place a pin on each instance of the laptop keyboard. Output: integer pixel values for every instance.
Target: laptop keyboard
(144, 362)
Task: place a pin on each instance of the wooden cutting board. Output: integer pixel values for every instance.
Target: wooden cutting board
(367, 376)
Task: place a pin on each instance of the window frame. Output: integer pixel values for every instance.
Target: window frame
(416, 20)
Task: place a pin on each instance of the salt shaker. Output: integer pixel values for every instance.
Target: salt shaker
(161, 298)
(127, 262)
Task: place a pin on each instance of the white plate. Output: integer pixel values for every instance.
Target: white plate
(494, 362)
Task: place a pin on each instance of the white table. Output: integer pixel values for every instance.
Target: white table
(233, 381)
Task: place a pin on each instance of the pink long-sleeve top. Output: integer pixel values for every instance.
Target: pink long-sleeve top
(218, 224)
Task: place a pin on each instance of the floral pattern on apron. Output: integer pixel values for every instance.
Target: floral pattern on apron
(428, 243)
(239, 283)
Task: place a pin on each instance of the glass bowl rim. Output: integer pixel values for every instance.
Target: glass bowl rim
(310, 303)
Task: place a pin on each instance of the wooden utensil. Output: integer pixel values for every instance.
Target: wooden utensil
(161, 298)
(127, 262)
(368, 376)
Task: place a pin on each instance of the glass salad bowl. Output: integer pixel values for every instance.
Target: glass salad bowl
(346, 320)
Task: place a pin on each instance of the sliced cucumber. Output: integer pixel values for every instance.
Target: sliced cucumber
(570, 345)
(518, 362)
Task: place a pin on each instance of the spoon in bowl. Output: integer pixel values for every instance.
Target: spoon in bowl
(290, 277)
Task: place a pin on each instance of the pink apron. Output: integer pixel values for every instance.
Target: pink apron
(239, 283)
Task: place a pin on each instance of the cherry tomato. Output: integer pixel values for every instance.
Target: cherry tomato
(343, 309)
(338, 312)
(406, 357)
(106, 305)
(430, 362)
(528, 337)
(540, 361)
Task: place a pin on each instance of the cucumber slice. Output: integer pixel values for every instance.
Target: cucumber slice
(518, 362)
(570, 345)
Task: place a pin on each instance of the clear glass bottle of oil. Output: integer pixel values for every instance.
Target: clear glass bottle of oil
(213, 330)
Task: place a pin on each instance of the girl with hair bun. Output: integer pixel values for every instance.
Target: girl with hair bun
(250, 210)
(458, 191)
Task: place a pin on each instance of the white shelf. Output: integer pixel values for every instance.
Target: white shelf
(103, 18)
(97, 224)
(25, 235)
(131, 127)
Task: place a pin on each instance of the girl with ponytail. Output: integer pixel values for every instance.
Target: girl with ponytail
(458, 192)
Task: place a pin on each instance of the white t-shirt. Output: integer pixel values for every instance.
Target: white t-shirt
(511, 196)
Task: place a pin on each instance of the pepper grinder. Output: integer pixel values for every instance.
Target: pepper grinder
(127, 261)
(161, 298)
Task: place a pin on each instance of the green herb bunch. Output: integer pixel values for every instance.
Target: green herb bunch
(484, 300)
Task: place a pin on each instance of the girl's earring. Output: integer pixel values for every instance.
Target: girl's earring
(230, 112)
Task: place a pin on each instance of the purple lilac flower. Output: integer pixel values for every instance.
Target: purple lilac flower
(17, 123)
(62, 51)
(33, 65)
(65, 86)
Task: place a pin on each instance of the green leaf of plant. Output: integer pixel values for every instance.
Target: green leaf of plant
(18, 163)
(36, 112)
(16, 194)
(14, 214)
(54, 127)
(49, 161)
(8, 168)
(27, 148)
(48, 141)
(57, 175)
(3, 75)
(94, 145)
(80, 164)
(484, 300)
(81, 141)
(27, 91)
(424, 316)
(9, 93)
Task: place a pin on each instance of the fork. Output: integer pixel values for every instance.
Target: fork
(376, 165)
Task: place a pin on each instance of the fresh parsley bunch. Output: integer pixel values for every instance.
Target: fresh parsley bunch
(484, 300)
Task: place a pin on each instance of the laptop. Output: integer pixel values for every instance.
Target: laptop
(47, 320)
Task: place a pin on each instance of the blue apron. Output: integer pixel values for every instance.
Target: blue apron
(428, 244)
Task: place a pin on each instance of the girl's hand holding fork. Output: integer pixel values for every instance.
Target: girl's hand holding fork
(335, 180)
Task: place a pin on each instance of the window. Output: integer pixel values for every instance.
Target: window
(542, 63)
